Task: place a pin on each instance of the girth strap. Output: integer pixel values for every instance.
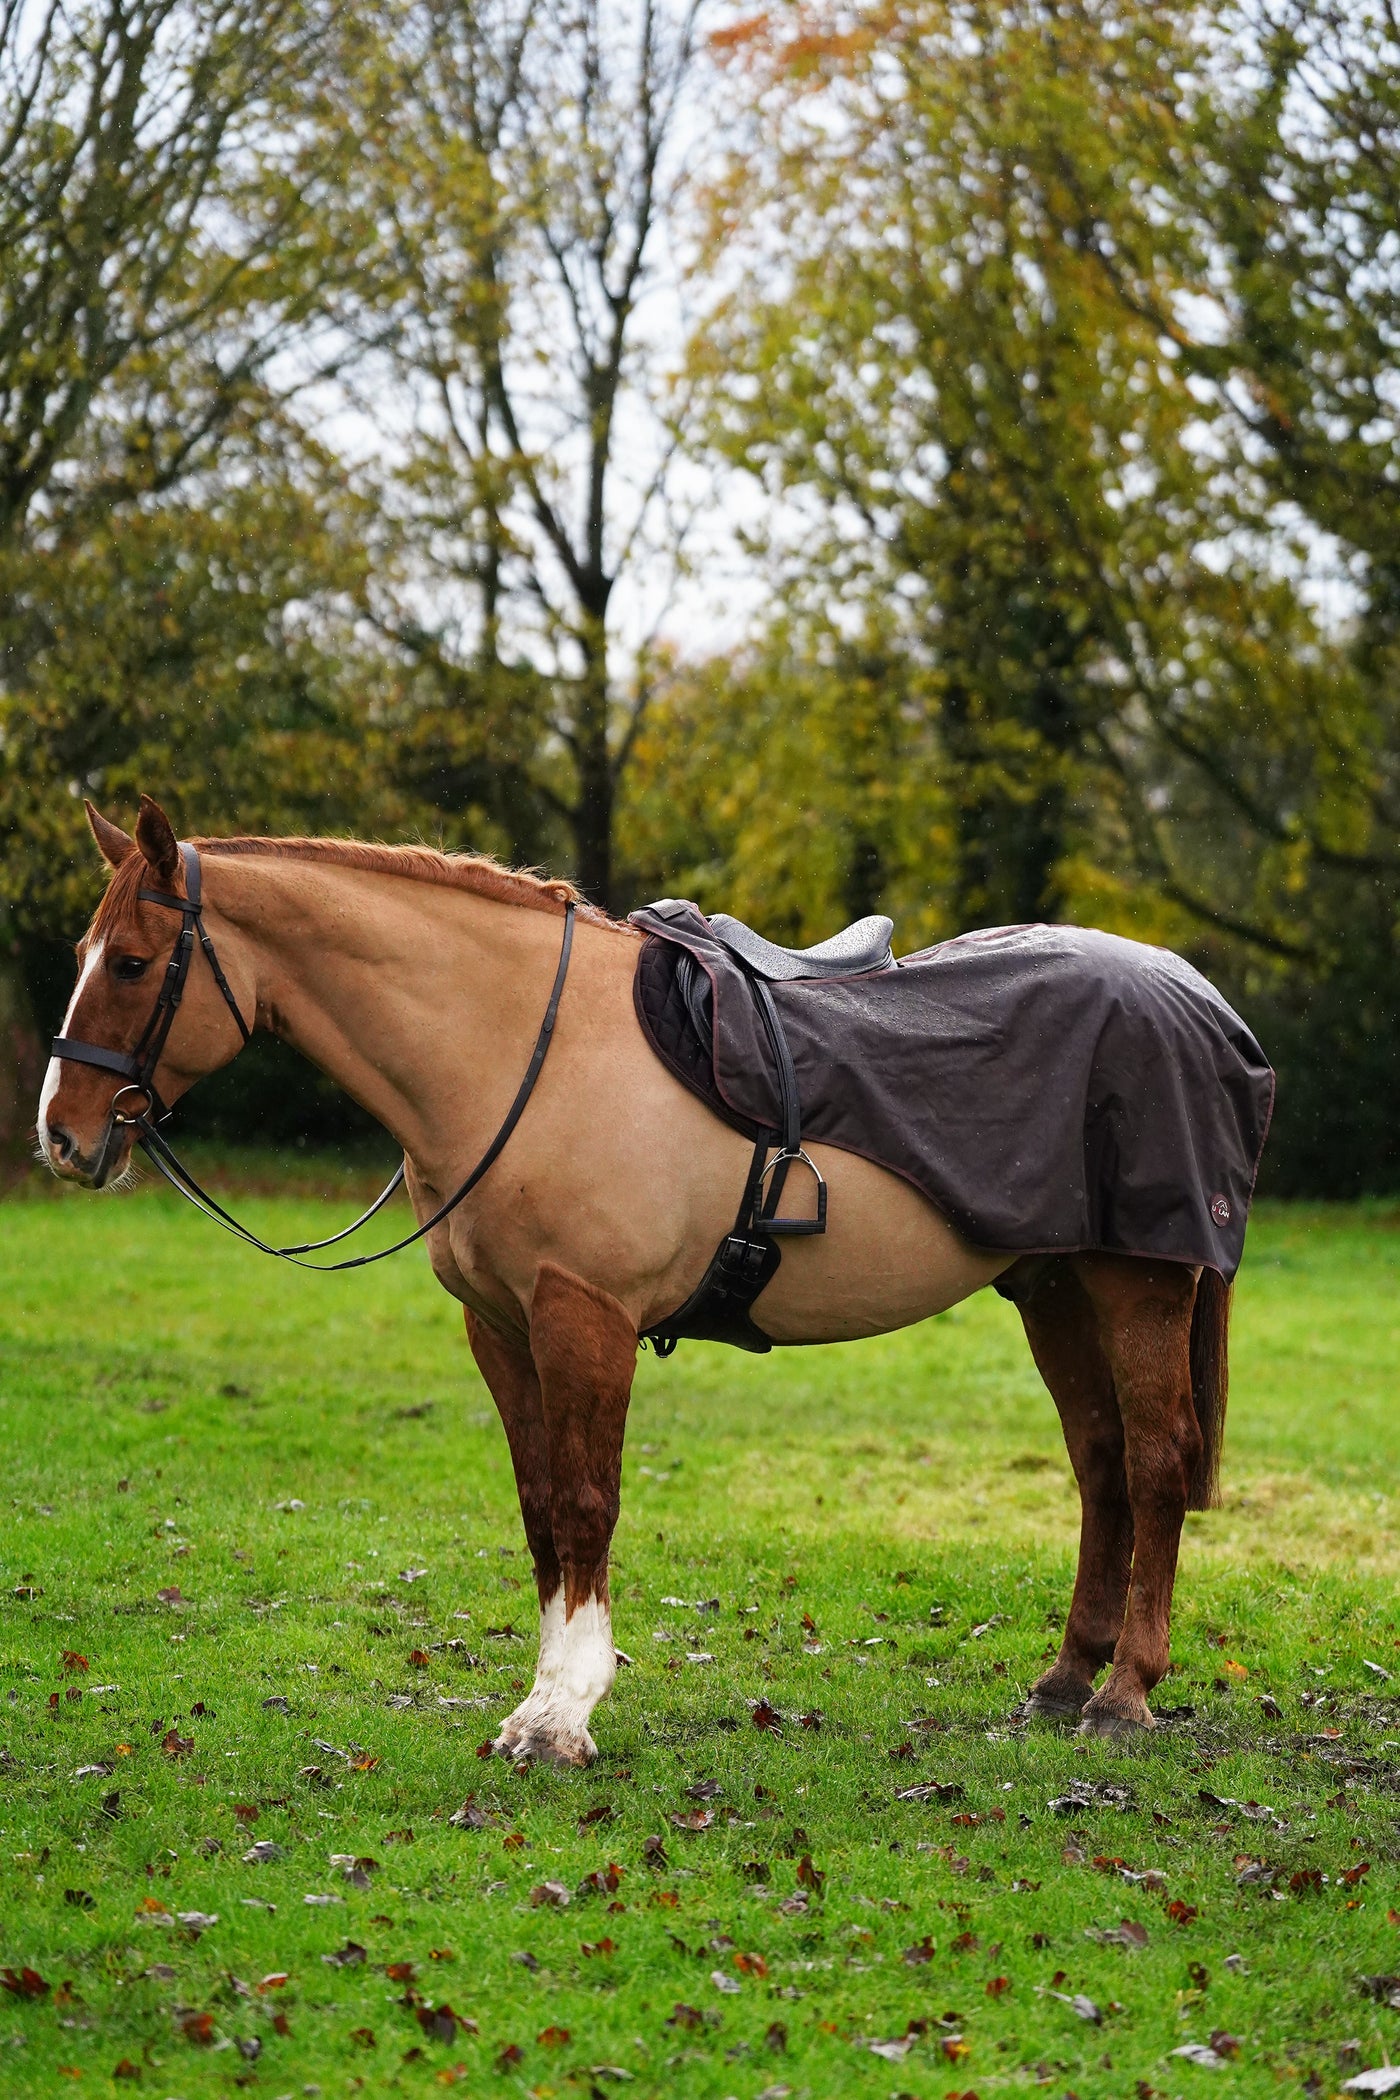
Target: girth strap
(720, 1307)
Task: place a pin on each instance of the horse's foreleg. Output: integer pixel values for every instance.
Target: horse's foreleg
(584, 1347)
(1062, 1329)
(1144, 1311)
(514, 1385)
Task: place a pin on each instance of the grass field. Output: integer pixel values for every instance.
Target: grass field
(242, 1501)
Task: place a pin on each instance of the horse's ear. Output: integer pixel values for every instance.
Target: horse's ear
(157, 840)
(113, 843)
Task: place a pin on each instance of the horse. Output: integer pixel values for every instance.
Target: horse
(415, 980)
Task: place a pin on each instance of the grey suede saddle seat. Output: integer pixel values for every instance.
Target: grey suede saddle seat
(863, 945)
(856, 951)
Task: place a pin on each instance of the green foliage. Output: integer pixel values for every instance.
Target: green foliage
(799, 794)
(191, 651)
(991, 430)
(909, 1495)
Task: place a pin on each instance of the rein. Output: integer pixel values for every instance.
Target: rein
(138, 1068)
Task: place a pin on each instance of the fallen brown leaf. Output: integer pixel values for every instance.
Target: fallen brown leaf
(27, 1984)
(693, 1821)
(810, 1876)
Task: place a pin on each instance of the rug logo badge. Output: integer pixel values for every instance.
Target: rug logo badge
(1220, 1209)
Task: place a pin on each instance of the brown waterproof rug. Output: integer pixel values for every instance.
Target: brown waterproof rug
(1048, 1088)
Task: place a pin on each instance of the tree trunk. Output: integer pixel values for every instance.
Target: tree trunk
(21, 1063)
(592, 816)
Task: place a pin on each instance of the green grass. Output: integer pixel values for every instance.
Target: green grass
(177, 1412)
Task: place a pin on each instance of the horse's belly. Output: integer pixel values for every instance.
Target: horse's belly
(886, 1258)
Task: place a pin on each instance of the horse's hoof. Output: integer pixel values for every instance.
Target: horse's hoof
(1056, 1702)
(1111, 1721)
(536, 1746)
(574, 1754)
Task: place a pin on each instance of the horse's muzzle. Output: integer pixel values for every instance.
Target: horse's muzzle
(93, 1169)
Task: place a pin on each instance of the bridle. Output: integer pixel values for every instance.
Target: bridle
(138, 1068)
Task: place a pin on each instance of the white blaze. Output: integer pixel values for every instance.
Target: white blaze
(55, 1071)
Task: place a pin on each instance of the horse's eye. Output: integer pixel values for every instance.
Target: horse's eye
(127, 968)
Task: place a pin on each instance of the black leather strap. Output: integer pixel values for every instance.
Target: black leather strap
(93, 1054)
(180, 1177)
(790, 1153)
(192, 905)
(718, 1309)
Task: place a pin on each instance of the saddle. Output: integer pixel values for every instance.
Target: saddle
(746, 1259)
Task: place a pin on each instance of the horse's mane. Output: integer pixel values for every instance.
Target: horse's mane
(480, 873)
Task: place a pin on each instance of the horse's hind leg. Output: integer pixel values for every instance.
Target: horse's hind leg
(1062, 1329)
(1144, 1314)
(514, 1385)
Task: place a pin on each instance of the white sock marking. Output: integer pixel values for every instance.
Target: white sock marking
(576, 1668)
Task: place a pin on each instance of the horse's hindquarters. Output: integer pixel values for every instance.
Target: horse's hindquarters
(885, 1260)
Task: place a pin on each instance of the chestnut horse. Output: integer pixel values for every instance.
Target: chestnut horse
(416, 981)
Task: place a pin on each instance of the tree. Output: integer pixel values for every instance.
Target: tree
(969, 424)
(158, 227)
(205, 651)
(1080, 351)
(160, 250)
(530, 185)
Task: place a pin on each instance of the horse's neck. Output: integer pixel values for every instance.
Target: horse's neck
(420, 1000)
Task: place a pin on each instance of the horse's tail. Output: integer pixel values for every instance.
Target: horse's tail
(1210, 1383)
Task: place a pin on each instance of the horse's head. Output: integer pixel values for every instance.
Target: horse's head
(126, 967)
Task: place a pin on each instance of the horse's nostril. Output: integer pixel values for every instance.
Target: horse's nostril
(60, 1143)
